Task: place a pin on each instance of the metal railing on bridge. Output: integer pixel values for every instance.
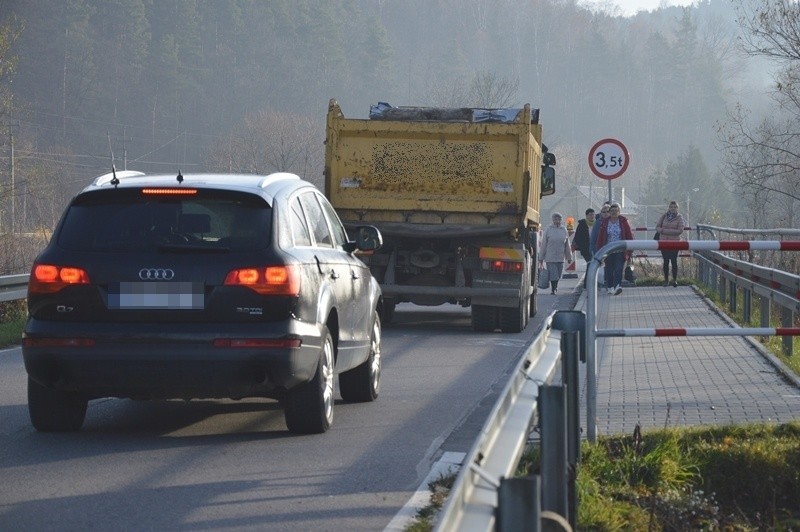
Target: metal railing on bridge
(592, 332)
(13, 287)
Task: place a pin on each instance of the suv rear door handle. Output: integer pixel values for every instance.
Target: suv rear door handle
(334, 275)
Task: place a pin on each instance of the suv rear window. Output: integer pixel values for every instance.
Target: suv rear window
(129, 220)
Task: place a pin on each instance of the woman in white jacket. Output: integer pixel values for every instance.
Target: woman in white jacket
(555, 251)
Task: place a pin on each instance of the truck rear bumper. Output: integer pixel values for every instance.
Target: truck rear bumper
(439, 295)
(456, 292)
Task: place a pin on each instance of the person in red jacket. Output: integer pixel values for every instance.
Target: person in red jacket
(613, 229)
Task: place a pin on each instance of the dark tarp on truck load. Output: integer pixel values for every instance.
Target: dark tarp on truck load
(384, 111)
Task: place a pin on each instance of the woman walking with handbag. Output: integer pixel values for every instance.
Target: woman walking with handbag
(670, 227)
(556, 250)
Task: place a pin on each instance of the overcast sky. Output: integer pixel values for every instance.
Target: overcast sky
(631, 7)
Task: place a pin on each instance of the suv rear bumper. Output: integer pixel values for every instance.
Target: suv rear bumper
(178, 361)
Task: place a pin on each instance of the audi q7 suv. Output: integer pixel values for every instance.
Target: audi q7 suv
(202, 286)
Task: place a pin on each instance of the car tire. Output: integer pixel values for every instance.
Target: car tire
(362, 383)
(309, 407)
(55, 411)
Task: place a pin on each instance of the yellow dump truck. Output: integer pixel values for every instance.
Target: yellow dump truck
(455, 193)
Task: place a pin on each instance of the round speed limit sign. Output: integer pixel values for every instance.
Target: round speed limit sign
(608, 159)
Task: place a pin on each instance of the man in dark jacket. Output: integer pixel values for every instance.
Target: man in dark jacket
(581, 240)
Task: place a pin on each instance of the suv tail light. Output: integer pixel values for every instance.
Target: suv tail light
(267, 280)
(48, 278)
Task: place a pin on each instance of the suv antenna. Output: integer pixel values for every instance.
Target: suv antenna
(114, 180)
(180, 176)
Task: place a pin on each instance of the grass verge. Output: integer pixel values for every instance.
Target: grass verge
(743, 477)
(440, 489)
(734, 478)
(12, 320)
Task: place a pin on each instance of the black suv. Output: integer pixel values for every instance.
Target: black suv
(201, 286)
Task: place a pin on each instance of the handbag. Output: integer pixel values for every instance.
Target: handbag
(629, 275)
(657, 236)
(544, 279)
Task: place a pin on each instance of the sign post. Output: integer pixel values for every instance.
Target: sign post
(608, 159)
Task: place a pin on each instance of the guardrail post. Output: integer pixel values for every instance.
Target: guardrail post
(787, 320)
(732, 302)
(553, 423)
(519, 505)
(723, 289)
(765, 311)
(570, 377)
(747, 302)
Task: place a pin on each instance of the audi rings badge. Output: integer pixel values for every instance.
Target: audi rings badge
(156, 274)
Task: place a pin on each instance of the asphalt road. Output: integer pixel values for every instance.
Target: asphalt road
(226, 465)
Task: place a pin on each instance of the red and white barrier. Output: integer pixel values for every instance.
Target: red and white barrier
(653, 229)
(678, 331)
(713, 245)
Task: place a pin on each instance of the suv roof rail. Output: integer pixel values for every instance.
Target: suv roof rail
(106, 178)
(276, 176)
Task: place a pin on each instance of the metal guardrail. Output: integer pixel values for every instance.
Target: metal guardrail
(475, 498)
(725, 275)
(763, 232)
(781, 287)
(13, 287)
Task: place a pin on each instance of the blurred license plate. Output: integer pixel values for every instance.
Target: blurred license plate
(156, 295)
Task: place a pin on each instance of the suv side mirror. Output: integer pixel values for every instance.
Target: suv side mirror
(548, 181)
(368, 238)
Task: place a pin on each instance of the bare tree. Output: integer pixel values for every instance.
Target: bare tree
(483, 89)
(490, 90)
(272, 141)
(763, 160)
(452, 93)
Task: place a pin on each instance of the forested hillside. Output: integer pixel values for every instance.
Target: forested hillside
(244, 85)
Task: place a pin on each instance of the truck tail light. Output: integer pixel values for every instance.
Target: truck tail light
(281, 280)
(49, 278)
(502, 266)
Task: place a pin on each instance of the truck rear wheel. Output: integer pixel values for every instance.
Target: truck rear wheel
(484, 318)
(388, 310)
(514, 320)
